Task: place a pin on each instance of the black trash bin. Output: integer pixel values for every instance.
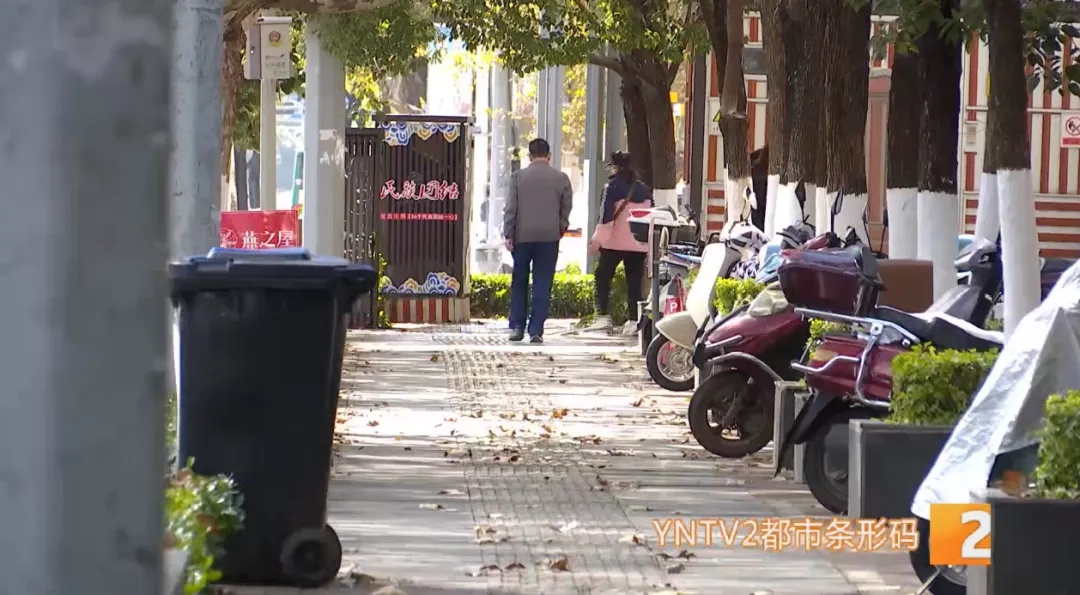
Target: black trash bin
(262, 336)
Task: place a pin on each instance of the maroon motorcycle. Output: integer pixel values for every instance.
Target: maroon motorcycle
(849, 374)
(742, 357)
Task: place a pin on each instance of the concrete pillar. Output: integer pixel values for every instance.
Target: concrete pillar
(84, 153)
(614, 119)
(499, 139)
(324, 149)
(195, 159)
(594, 152)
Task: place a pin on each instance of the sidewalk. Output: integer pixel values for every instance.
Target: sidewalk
(472, 465)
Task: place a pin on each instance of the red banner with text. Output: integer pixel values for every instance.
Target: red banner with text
(260, 229)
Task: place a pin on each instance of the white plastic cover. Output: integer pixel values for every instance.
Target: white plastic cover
(714, 260)
(1038, 360)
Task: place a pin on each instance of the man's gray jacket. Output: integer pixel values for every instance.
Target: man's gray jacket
(538, 206)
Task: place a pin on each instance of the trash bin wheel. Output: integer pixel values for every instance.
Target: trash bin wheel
(311, 557)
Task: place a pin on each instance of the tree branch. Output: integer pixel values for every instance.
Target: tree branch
(306, 5)
(608, 62)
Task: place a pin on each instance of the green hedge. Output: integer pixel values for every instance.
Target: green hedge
(1058, 472)
(932, 387)
(200, 512)
(572, 295)
(733, 293)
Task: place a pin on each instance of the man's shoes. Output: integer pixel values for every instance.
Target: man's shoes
(536, 339)
(517, 334)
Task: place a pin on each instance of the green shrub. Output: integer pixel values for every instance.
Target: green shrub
(572, 269)
(932, 387)
(820, 328)
(1058, 472)
(733, 293)
(572, 296)
(200, 512)
(382, 318)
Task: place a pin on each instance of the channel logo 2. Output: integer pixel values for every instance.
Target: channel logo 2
(960, 534)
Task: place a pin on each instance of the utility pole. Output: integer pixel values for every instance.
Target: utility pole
(500, 147)
(556, 98)
(594, 151)
(195, 164)
(268, 137)
(83, 244)
(614, 120)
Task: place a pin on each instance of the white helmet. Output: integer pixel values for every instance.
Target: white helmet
(794, 236)
(744, 236)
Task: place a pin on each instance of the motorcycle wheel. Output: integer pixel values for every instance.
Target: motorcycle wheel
(951, 581)
(718, 394)
(825, 462)
(670, 366)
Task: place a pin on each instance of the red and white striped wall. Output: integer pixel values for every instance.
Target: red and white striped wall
(428, 309)
(1055, 170)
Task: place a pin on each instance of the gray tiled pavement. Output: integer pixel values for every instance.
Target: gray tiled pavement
(471, 465)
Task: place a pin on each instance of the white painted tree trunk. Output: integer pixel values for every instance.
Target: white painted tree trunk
(822, 213)
(850, 215)
(666, 197)
(736, 206)
(987, 218)
(938, 222)
(1019, 246)
(787, 207)
(770, 205)
(902, 204)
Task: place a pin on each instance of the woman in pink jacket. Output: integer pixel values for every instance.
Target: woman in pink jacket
(622, 191)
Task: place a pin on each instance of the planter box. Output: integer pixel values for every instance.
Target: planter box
(886, 465)
(1034, 547)
(173, 574)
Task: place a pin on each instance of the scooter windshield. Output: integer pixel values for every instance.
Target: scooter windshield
(1038, 360)
(770, 301)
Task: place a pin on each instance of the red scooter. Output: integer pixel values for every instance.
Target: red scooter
(849, 375)
(741, 359)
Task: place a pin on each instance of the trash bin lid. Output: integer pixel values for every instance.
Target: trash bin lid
(277, 268)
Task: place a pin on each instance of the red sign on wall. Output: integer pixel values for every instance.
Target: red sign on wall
(433, 190)
(259, 229)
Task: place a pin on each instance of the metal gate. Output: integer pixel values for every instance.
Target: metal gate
(407, 202)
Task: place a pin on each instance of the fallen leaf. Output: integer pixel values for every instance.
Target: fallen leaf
(515, 459)
(486, 570)
(399, 437)
(615, 452)
(408, 448)
(478, 413)
(551, 358)
(638, 402)
(676, 568)
(507, 415)
(562, 381)
(432, 506)
(373, 423)
(560, 564)
(434, 357)
(548, 429)
(559, 413)
(449, 419)
(450, 492)
(634, 539)
(515, 566)
(686, 555)
(663, 556)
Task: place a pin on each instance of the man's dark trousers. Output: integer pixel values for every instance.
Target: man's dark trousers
(541, 258)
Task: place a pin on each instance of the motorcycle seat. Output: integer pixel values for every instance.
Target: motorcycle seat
(941, 330)
(1056, 266)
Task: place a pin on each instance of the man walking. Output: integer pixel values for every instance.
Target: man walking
(537, 214)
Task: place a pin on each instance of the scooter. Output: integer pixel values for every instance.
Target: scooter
(670, 353)
(731, 412)
(849, 375)
(998, 436)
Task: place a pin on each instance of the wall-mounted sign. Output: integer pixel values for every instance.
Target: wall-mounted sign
(1070, 129)
(269, 51)
(753, 61)
(433, 190)
(258, 230)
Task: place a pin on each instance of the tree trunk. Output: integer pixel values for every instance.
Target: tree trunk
(1008, 108)
(803, 56)
(988, 218)
(902, 175)
(774, 23)
(938, 204)
(232, 79)
(637, 127)
(240, 177)
(661, 118)
(847, 77)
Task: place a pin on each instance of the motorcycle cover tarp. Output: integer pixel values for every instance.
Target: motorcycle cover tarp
(1038, 360)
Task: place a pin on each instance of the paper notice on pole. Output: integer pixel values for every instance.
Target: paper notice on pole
(1070, 129)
